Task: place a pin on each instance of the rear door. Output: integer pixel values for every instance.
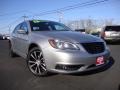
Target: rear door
(22, 40)
(14, 38)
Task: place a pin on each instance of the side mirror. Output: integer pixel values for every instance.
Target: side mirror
(22, 31)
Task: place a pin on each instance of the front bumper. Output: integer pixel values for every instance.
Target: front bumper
(70, 61)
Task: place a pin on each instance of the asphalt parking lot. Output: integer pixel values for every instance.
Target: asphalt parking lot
(14, 75)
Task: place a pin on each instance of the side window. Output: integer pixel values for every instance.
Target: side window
(17, 28)
(58, 27)
(24, 26)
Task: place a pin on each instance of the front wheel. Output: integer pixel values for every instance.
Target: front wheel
(36, 62)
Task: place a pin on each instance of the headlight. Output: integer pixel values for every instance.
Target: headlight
(58, 44)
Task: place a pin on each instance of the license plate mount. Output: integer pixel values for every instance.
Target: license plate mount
(100, 60)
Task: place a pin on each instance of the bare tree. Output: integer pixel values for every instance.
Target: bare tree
(109, 22)
(89, 24)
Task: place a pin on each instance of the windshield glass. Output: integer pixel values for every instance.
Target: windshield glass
(47, 26)
(112, 28)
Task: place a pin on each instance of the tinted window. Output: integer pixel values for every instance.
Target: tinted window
(47, 26)
(24, 27)
(112, 28)
(17, 28)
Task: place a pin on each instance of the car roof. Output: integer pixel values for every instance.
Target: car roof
(37, 20)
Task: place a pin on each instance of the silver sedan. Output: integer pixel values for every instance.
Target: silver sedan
(52, 47)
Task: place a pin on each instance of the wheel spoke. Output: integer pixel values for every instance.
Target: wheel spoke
(32, 65)
(43, 64)
(39, 71)
(40, 55)
(36, 69)
(43, 67)
(31, 61)
(42, 59)
(33, 56)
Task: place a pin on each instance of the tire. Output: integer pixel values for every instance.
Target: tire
(36, 62)
(11, 53)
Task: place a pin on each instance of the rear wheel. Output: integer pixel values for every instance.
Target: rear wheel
(36, 62)
(11, 53)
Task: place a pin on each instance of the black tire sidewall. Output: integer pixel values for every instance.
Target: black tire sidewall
(11, 53)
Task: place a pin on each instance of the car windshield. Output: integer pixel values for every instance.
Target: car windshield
(38, 25)
(112, 28)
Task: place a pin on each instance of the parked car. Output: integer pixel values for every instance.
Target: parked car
(1, 37)
(52, 47)
(7, 36)
(80, 30)
(111, 33)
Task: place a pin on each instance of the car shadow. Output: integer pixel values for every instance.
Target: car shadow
(119, 87)
(106, 67)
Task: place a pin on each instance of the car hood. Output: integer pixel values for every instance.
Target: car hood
(70, 36)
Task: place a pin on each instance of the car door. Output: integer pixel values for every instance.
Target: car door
(14, 38)
(23, 40)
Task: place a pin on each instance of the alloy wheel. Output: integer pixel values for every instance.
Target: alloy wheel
(36, 62)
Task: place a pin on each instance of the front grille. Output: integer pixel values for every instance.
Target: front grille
(94, 47)
(68, 67)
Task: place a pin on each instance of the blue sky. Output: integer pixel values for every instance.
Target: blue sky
(11, 10)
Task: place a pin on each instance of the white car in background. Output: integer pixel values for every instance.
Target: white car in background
(111, 33)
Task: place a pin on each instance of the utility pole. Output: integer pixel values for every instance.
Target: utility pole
(25, 17)
(60, 14)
